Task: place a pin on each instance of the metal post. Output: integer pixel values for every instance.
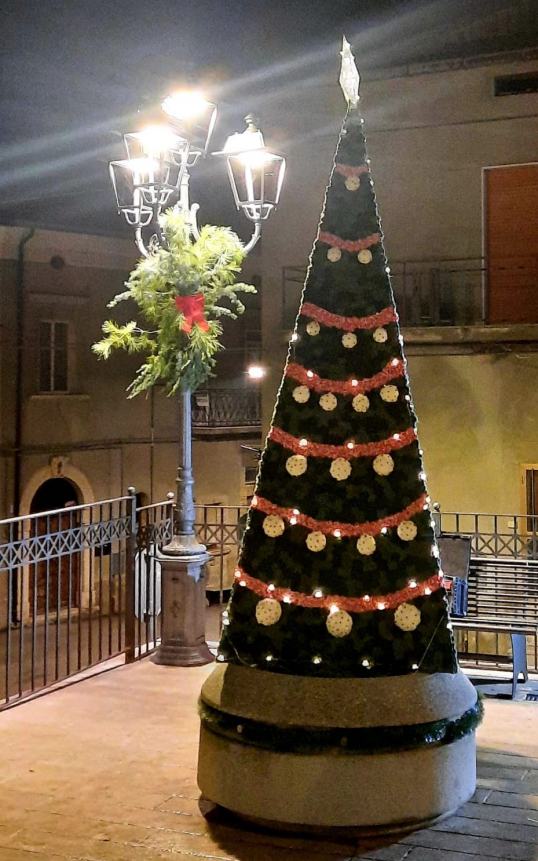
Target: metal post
(183, 563)
(130, 561)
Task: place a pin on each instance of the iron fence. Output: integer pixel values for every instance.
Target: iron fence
(226, 408)
(500, 536)
(449, 292)
(62, 592)
(82, 584)
(152, 531)
(512, 535)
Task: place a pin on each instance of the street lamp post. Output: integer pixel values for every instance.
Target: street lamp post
(153, 177)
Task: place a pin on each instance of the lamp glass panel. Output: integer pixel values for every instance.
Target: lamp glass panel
(256, 179)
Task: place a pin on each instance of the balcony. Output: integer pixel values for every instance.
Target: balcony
(218, 412)
(455, 292)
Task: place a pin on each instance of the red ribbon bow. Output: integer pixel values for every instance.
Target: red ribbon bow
(193, 310)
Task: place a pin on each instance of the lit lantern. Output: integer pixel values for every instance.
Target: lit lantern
(152, 172)
(256, 174)
(192, 117)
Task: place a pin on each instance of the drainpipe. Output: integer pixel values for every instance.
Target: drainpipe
(19, 381)
(19, 375)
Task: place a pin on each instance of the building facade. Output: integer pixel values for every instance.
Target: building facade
(68, 433)
(454, 152)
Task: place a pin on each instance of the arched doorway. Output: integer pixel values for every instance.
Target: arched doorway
(54, 582)
(54, 493)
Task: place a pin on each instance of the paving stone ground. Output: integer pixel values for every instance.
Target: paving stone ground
(105, 770)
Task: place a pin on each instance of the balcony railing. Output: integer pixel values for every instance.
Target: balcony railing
(448, 292)
(226, 408)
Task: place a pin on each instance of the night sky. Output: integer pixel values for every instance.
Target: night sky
(74, 73)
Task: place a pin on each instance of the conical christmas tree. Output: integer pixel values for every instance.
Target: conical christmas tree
(339, 587)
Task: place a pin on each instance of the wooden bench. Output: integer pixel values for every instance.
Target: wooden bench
(503, 599)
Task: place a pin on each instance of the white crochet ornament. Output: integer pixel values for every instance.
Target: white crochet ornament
(268, 611)
(390, 394)
(380, 335)
(364, 256)
(313, 327)
(383, 464)
(407, 617)
(360, 403)
(366, 545)
(316, 541)
(328, 402)
(296, 464)
(273, 525)
(407, 530)
(353, 183)
(349, 340)
(339, 623)
(301, 394)
(334, 254)
(340, 469)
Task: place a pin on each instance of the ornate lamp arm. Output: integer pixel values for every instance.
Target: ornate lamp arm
(256, 233)
(139, 240)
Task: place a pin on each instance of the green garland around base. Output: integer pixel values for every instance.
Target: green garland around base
(369, 740)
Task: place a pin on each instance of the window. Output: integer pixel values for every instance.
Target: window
(53, 372)
(516, 85)
(531, 496)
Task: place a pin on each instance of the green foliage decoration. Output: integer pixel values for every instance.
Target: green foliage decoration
(209, 266)
(340, 740)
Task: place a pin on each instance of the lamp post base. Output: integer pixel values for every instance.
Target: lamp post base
(183, 641)
(172, 655)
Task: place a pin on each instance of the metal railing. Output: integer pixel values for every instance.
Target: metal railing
(226, 408)
(499, 536)
(62, 592)
(152, 531)
(82, 584)
(447, 292)
(440, 292)
(220, 528)
(511, 535)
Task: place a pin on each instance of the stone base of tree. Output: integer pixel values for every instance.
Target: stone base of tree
(388, 790)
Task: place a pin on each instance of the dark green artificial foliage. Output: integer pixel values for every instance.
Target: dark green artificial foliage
(300, 641)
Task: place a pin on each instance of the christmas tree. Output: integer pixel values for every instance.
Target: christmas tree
(339, 576)
(339, 572)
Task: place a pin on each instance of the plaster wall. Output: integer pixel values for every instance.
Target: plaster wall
(112, 441)
(478, 423)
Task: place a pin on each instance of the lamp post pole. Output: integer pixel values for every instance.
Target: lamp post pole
(155, 172)
(183, 562)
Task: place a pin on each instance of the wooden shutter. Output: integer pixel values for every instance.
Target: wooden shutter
(512, 243)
